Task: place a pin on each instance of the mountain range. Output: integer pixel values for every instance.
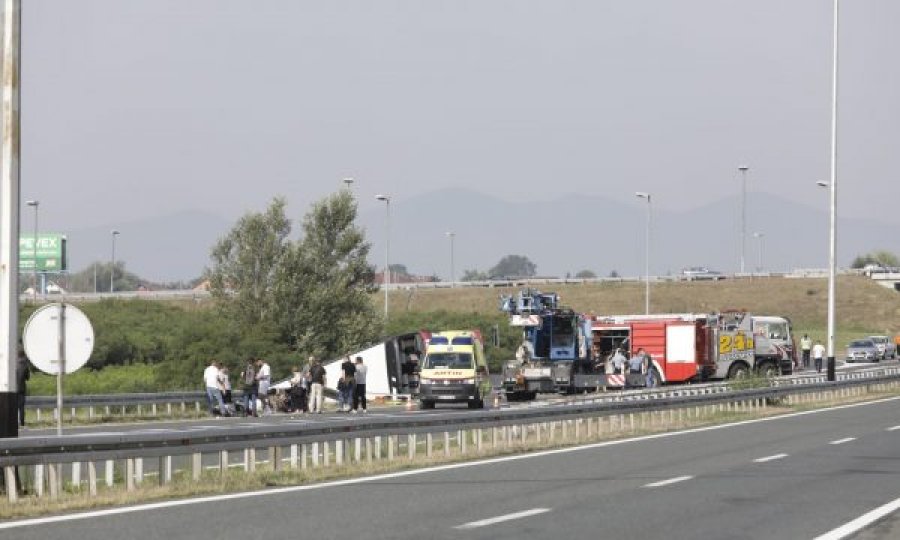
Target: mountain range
(561, 236)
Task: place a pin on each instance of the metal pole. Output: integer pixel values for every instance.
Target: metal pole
(61, 368)
(112, 269)
(759, 249)
(452, 269)
(644, 195)
(743, 169)
(387, 249)
(34, 271)
(9, 216)
(832, 256)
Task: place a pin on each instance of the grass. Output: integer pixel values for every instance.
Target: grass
(862, 306)
(213, 482)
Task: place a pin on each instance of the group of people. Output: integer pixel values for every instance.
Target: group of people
(807, 349)
(306, 392)
(638, 364)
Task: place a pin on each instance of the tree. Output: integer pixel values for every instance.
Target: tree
(614, 274)
(881, 258)
(513, 266)
(586, 274)
(324, 285)
(246, 262)
(473, 275)
(96, 278)
(398, 270)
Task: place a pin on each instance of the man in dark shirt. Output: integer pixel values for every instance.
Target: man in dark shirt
(349, 382)
(317, 383)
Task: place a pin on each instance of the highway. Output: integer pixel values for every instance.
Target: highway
(790, 477)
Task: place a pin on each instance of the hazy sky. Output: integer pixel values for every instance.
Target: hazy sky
(141, 108)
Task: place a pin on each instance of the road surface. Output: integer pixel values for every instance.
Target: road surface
(792, 477)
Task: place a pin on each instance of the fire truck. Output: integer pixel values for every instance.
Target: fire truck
(555, 354)
(694, 347)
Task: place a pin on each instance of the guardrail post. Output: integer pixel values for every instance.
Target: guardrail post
(12, 494)
(129, 474)
(339, 452)
(249, 459)
(110, 472)
(153, 409)
(276, 454)
(411, 445)
(368, 449)
(92, 478)
(39, 480)
(91, 412)
(138, 470)
(390, 447)
(446, 444)
(76, 475)
(357, 449)
(564, 424)
(168, 409)
(223, 462)
(461, 439)
(304, 450)
(325, 456)
(165, 470)
(478, 439)
(38, 414)
(631, 421)
(196, 465)
(378, 455)
(494, 438)
(315, 454)
(293, 456)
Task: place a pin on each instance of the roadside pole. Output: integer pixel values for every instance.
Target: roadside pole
(9, 218)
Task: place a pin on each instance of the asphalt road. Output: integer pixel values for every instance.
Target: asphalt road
(791, 477)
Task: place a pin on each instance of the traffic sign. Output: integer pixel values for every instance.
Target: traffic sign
(41, 338)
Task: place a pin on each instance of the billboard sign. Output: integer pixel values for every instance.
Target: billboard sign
(50, 254)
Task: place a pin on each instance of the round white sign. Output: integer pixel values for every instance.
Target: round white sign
(42, 334)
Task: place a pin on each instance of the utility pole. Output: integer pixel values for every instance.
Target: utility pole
(743, 169)
(9, 217)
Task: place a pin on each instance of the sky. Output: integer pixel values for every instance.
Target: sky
(145, 108)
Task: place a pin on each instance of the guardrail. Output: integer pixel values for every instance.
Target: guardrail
(376, 438)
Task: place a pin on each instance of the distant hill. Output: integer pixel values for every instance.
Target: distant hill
(563, 235)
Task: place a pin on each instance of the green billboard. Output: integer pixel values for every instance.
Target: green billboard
(50, 253)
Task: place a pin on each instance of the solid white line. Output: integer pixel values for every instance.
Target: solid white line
(501, 519)
(861, 522)
(893, 428)
(667, 482)
(844, 440)
(769, 458)
(426, 470)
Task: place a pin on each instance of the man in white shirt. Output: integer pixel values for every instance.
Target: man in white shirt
(213, 393)
(359, 389)
(818, 353)
(264, 376)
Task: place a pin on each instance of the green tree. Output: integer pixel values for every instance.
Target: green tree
(323, 286)
(398, 270)
(473, 275)
(881, 257)
(245, 265)
(514, 266)
(586, 274)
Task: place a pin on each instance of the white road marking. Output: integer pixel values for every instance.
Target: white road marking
(501, 519)
(842, 441)
(667, 482)
(861, 522)
(426, 470)
(770, 458)
(893, 428)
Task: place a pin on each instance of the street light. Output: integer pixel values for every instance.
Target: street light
(112, 269)
(452, 235)
(759, 246)
(832, 234)
(645, 195)
(743, 169)
(349, 182)
(387, 248)
(35, 204)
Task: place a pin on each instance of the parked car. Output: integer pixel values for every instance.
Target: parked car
(886, 347)
(701, 272)
(862, 350)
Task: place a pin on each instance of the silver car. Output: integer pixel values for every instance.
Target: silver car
(862, 350)
(886, 347)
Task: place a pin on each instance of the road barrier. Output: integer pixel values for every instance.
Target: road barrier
(41, 461)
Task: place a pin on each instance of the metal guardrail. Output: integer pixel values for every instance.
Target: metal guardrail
(51, 453)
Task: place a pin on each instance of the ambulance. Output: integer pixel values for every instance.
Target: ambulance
(454, 370)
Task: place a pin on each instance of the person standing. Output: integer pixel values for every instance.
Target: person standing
(349, 371)
(317, 383)
(213, 393)
(359, 390)
(225, 388)
(23, 373)
(635, 368)
(298, 391)
(818, 352)
(805, 348)
(264, 378)
(251, 387)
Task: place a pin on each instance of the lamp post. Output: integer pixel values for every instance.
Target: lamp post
(349, 182)
(387, 248)
(645, 195)
(112, 269)
(452, 235)
(34, 273)
(759, 249)
(743, 169)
